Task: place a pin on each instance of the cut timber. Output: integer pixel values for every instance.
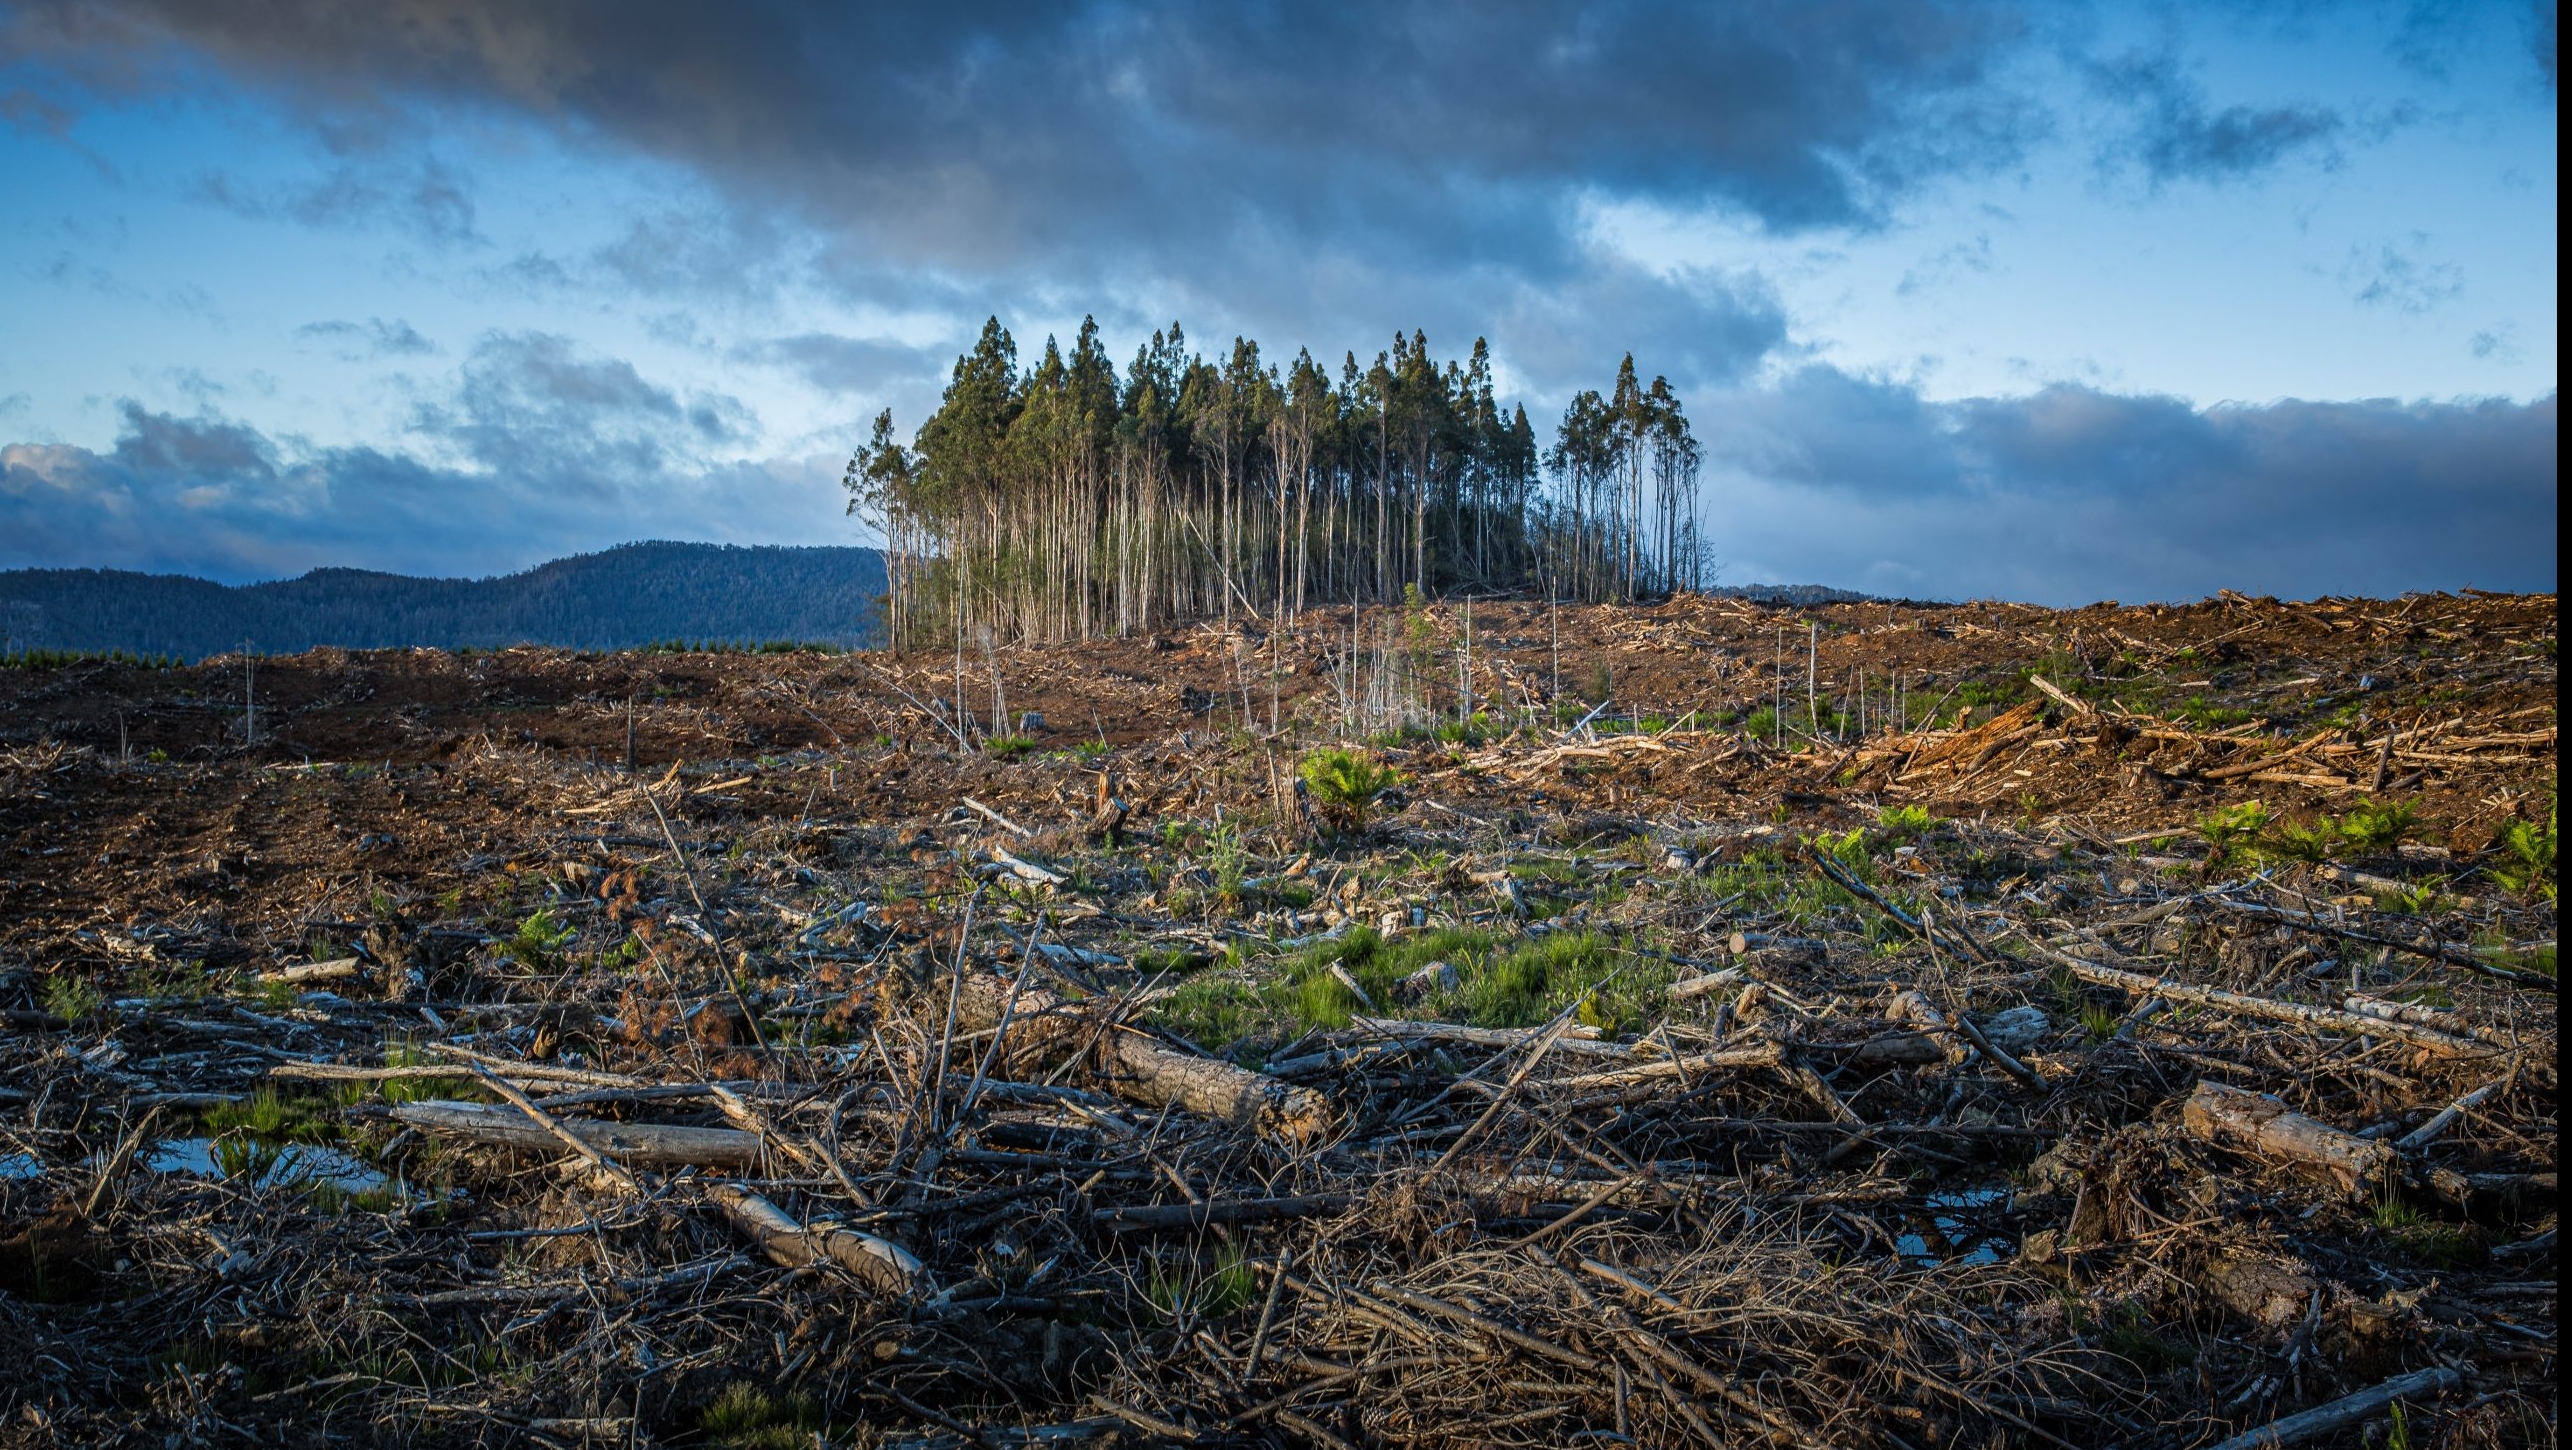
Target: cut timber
(2061, 697)
(1576, 1036)
(1142, 1070)
(626, 1142)
(2265, 1127)
(2343, 1412)
(329, 971)
(2247, 1006)
(1791, 948)
(1026, 870)
(1722, 1059)
(882, 1263)
(1687, 988)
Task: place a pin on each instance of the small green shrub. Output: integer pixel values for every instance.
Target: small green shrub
(1343, 784)
(1227, 1289)
(2529, 869)
(2199, 712)
(2232, 829)
(745, 1417)
(1009, 747)
(71, 996)
(2377, 826)
(1905, 823)
(537, 940)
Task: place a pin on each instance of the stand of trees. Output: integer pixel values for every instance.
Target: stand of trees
(1065, 501)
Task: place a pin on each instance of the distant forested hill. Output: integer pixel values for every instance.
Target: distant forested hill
(623, 597)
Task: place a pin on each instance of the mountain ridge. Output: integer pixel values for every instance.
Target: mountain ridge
(618, 598)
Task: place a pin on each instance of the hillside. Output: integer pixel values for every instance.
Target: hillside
(616, 599)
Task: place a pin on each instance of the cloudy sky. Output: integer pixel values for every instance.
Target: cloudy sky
(2054, 303)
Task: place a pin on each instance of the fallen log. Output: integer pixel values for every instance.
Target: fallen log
(505, 1126)
(1687, 988)
(2265, 1127)
(1228, 1210)
(1784, 948)
(1722, 1059)
(2343, 1412)
(1137, 1067)
(2432, 951)
(2241, 1004)
(881, 1263)
(335, 970)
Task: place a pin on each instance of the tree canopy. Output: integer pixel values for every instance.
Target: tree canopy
(1064, 501)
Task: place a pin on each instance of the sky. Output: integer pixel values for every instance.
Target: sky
(2048, 302)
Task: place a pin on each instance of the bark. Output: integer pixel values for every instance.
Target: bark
(881, 1263)
(2247, 1006)
(2264, 1127)
(505, 1126)
(1141, 1069)
(2343, 1412)
(1762, 1054)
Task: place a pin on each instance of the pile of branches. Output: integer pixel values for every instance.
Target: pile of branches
(2096, 1158)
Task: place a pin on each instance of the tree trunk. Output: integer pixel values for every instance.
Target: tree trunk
(1142, 1070)
(626, 1142)
(2264, 1127)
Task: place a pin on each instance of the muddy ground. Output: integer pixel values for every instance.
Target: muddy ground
(255, 914)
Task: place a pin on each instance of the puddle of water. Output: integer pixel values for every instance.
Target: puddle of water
(21, 1167)
(268, 1165)
(1966, 1225)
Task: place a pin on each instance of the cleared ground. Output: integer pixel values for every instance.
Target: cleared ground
(1185, 1111)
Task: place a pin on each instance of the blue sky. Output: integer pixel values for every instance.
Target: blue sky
(2053, 303)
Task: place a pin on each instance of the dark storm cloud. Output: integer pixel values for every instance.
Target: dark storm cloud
(553, 452)
(2072, 494)
(977, 137)
(2175, 136)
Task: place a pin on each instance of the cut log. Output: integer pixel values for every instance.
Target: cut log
(1915, 1008)
(1026, 870)
(1689, 988)
(1722, 1059)
(2343, 1412)
(505, 1126)
(330, 971)
(1140, 1069)
(1784, 948)
(2264, 1127)
(1898, 1049)
(881, 1263)
(2240, 1004)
